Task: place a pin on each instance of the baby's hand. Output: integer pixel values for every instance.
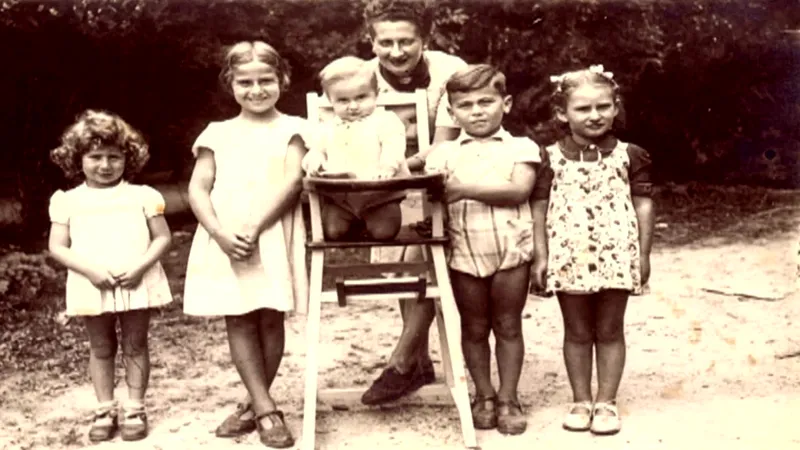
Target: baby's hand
(385, 174)
(313, 162)
(102, 278)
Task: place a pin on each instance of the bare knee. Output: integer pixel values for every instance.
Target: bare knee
(104, 347)
(475, 329)
(336, 222)
(384, 223)
(609, 333)
(579, 334)
(507, 327)
(134, 344)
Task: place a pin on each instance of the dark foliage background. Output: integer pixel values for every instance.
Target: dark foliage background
(710, 86)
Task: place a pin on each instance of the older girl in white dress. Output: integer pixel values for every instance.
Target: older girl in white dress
(110, 235)
(247, 258)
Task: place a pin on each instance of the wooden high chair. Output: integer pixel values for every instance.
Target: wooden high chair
(428, 279)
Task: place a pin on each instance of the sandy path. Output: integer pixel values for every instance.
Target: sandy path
(701, 370)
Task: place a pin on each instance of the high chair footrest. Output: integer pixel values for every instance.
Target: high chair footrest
(400, 242)
(414, 285)
(431, 292)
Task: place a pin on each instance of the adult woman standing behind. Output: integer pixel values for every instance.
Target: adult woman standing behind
(399, 31)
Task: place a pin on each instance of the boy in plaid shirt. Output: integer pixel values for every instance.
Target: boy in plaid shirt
(490, 176)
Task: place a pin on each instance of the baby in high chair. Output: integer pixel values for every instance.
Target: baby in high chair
(360, 142)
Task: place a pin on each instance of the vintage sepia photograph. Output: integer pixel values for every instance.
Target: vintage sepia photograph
(399, 224)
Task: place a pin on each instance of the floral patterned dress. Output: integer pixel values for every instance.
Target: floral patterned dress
(592, 227)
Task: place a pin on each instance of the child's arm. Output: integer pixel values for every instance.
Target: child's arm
(517, 191)
(160, 240)
(59, 246)
(540, 250)
(200, 186)
(645, 213)
(289, 193)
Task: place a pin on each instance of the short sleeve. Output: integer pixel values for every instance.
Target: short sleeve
(206, 139)
(59, 208)
(443, 118)
(544, 177)
(526, 151)
(640, 172)
(152, 202)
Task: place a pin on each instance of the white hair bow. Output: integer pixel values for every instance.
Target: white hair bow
(598, 69)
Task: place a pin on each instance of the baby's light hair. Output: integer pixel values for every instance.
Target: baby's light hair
(245, 52)
(474, 77)
(97, 129)
(416, 12)
(345, 68)
(567, 82)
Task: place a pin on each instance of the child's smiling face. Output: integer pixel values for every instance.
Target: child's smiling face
(479, 112)
(103, 167)
(352, 98)
(256, 87)
(590, 112)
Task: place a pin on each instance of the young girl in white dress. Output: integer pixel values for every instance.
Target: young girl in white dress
(247, 259)
(110, 234)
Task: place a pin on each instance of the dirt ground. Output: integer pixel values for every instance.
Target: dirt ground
(703, 368)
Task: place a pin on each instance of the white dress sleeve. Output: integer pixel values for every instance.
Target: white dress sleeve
(59, 208)
(207, 139)
(153, 202)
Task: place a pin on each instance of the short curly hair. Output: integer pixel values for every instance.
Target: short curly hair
(245, 52)
(417, 12)
(95, 129)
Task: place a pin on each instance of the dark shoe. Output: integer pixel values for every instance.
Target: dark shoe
(423, 375)
(104, 425)
(277, 436)
(484, 413)
(390, 386)
(510, 418)
(234, 425)
(134, 423)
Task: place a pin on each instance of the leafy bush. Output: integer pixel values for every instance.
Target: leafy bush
(26, 280)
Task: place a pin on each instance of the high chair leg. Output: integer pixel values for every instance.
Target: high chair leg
(450, 335)
(312, 354)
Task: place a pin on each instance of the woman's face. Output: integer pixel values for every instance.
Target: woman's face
(398, 46)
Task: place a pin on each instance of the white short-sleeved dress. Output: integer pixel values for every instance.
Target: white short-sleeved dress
(109, 227)
(249, 172)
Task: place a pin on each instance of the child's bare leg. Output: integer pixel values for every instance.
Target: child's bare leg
(247, 356)
(336, 221)
(474, 305)
(103, 349)
(509, 292)
(610, 341)
(578, 316)
(273, 337)
(383, 222)
(135, 352)
(412, 347)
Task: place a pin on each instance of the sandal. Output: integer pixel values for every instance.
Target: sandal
(605, 424)
(104, 422)
(278, 435)
(510, 418)
(134, 422)
(484, 412)
(579, 416)
(234, 425)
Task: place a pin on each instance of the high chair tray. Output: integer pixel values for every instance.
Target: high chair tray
(433, 182)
